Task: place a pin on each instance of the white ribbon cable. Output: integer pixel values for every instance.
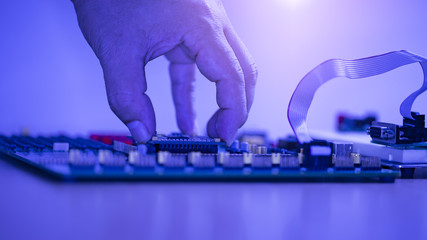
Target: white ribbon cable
(360, 68)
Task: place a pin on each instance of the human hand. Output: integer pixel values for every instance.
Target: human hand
(126, 34)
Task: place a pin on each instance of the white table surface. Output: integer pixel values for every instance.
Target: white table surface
(36, 207)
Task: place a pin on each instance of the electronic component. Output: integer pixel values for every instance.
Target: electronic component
(172, 160)
(290, 143)
(353, 69)
(392, 145)
(253, 137)
(370, 162)
(342, 157)
(412, 131)
(317, 155)
(228, 160)
(112, 159)
(349, 123)
(199, 160)
(289, 161)
(396, 147)
(137, 159)
(404, 157)
(64, 147)
(179, 143)
(79, 158)
(343, 162)
(179, 157)
(262, 161)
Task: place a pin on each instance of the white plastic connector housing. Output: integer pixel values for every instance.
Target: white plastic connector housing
(61, 147)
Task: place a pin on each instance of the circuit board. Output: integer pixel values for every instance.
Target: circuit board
(183, 158)
(401, 147)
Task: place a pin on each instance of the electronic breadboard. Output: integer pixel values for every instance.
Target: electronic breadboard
(179, 157)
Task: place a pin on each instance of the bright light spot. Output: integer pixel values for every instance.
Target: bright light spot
(293, 4)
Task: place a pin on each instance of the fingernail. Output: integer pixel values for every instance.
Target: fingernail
(196, 129)
(139, 131)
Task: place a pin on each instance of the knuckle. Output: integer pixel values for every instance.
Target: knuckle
(236, 72)
(252, 75)
(208, 16)
(101, 44)
(203, 8)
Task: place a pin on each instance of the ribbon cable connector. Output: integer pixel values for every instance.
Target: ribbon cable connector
(353, 69)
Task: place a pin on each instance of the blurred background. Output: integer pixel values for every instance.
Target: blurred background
(51, 81)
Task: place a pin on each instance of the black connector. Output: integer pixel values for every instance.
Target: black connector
(317, 155)
(412, 131)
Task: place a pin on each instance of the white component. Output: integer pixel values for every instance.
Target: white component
(194, 157)
(252, 148)
(261, 150)
(141, 160)
(105, 156)
(356, 158)
(275, 158)
(61, 147)
(81, 158)
(133, 157)
(247, 158)
(162, 157)
(301, 156)
(223, 156)
(75, 156)
(123, 147)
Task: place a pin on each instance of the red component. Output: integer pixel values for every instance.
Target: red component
(341, 119)
(109, 139)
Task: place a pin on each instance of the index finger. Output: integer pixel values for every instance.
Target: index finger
(126, 86)
(217, 62)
